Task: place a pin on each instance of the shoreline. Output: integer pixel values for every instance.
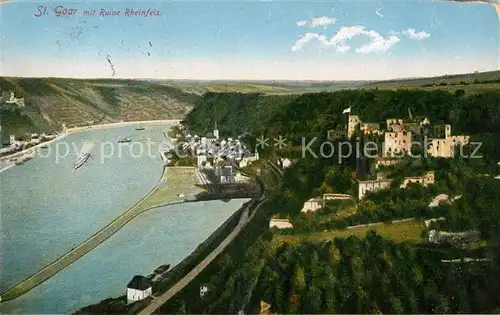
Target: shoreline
(90, 243)
(82, 129)
(33, 148)
(192, 258)
(121, 124)
(79, 251)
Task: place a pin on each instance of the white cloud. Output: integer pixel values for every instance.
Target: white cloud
(377, 44)
(322, 21)
(306, 38)
(301, 23)
(413, 34)
(377, 12)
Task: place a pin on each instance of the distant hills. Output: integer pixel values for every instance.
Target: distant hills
(51, 102)
(471, 82)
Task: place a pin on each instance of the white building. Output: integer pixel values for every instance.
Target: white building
(216, 132)
(13, 100)
(247, 160)
(312, 204)
(201, 161)
(372, 185)
(285, 163)
(280, 223)
(138, 288)
(203, 290)
(386, 161)
(382, 183)
(424, 180)
(441, 198)
(226, 175)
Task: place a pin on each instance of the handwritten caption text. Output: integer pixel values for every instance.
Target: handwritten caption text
(61, 11)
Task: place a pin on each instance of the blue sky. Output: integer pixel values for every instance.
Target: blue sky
(251, 40)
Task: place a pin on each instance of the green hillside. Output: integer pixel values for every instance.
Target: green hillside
(50, 102)
(470, 82)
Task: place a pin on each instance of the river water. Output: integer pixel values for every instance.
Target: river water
(47, 208)
(161, 236)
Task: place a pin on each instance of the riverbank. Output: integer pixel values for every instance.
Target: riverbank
(119, 305)
(176, 185)
(31, 149)
(121, 124)
(81, 129)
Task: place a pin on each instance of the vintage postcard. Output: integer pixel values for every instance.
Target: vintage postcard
(249, 157)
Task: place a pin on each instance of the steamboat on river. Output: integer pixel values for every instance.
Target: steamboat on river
(81, 160)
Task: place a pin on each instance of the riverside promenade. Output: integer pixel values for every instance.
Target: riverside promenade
(85, 247)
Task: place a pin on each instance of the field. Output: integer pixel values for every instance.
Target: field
(175, 181)
(399, 232)
(473, 82)
(264, 87)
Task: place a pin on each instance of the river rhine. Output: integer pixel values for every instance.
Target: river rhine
(47, 209)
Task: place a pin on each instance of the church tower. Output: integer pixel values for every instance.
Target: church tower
(216, 131)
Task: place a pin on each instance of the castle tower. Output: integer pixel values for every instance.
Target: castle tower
(352, 123)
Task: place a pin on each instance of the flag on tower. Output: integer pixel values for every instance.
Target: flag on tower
(346, 111)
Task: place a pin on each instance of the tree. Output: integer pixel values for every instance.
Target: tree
(312, 300)
(368, 207)
(182, 308)
(293, 303)
(299, 280)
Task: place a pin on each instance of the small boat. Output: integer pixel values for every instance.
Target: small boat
(140, 128)
(81, 160)
(162, 269)
(123, 140)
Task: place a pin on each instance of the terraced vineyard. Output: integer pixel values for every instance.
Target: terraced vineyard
(50, 102)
